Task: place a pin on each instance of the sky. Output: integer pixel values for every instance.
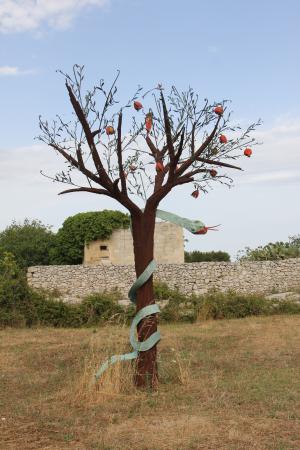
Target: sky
(247, 52)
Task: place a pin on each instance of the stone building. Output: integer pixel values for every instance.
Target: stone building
(118, 250)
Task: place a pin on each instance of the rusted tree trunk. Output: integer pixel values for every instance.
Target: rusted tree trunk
(143, 241)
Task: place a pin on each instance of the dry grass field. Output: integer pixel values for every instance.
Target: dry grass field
(230, 385)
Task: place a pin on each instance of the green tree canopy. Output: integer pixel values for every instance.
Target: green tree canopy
(197, 256)
(83, 228)
(30, 242)
(295, 240)
(272, 251)
(13, 289)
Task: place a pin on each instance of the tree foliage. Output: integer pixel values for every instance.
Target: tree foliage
(83, 228)
(14, 291)
(30, 242)
(197, 256)
(272, 251)
(181, 145)
(295, 240)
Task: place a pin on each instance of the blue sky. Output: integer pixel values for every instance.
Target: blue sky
(245, 51)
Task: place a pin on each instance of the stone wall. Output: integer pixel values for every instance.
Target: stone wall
(74, 282)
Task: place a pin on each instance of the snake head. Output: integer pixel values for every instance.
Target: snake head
(204, 230)
(195, 226)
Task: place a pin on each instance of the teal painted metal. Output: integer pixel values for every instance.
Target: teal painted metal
(141, 280)
(136, 345)
(193, 226)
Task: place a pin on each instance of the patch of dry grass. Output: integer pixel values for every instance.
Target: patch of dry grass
(224, 385)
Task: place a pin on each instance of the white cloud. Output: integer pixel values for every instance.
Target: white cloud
(277, 159)
(26, 15)
(286, 126)
(25, 163)
(274, 176)
(14, 71)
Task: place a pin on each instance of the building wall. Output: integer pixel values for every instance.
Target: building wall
(74, 282)
(168, 247)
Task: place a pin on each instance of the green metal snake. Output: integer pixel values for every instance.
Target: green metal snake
(194, 227)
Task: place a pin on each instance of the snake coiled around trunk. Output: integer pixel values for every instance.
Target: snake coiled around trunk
(193, 226)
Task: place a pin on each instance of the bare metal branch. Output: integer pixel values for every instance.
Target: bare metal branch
(168, 132)
(105, 180)
(119, 153)
(202, 147)
(218, 163)
(75, 163)
(152, 147)
(87, 189)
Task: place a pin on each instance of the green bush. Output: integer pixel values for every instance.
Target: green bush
(163, 292)
(14, 293)
(97, 308)
(94, 310)
(179, 307)
(52, 312)
(285, 307)
(231, 305)
(30, 242)
(197, 256)
(13, 286)
(218, 305)
(272, 251)
(44, 310)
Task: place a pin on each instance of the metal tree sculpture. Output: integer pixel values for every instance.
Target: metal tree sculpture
(172, 141)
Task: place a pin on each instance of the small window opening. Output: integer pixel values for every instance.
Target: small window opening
(103, 247)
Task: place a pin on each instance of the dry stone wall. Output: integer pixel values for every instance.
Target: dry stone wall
(74, 282)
